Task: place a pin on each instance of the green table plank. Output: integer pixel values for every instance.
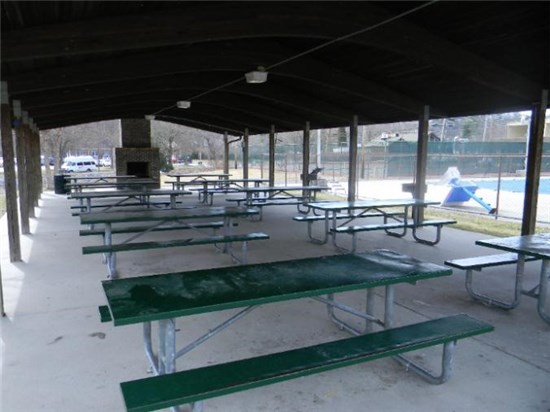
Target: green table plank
(171, 214)
(156, 297)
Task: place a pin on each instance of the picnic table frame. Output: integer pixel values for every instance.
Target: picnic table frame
(537, 246)
(148, 299)
(136, 183)
(98, 178)
(210, 187)
(142, 196)
(196, 177)
(364, 208)
(158, 218)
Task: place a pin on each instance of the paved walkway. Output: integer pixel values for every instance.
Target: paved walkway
(57, 356)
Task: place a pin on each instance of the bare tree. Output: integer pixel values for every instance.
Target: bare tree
(56, 143)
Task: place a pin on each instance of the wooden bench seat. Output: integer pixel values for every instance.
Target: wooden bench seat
(389, 228)
(478, 263)
(194, 385)
(111, 250)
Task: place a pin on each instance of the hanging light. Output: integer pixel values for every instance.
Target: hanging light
(149, 117)
(184, 104)
(256, 76)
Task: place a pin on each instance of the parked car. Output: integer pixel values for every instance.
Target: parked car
(75, 164)
(105, 162)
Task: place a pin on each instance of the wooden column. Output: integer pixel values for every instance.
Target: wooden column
(272, 155)
(35, 169)
(10, 182)
(22, 183)
(245, 154)
(29, 164)
(305, 155)
(421, 161)
(38, 152)
(534, 160)
(225, 153)
(352, 174)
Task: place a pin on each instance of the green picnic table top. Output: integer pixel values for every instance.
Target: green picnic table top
(374, 203)
(128, 193)
(165, 214)
(150, 298)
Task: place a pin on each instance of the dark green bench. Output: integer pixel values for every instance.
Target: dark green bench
(310, 219)
(478, 263)
(207, 196)
(275, 201)
(391, 226)
(111, 250)
(238, 200)
(150, 228)
(195, 385)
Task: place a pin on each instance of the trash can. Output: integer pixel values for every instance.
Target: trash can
(59, 182)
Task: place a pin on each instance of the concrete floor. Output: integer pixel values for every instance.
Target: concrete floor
(57, 356)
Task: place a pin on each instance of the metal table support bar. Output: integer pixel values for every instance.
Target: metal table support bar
(214, 331)
(543, 291)
(368, 315)
(446, 365)
(490, 301)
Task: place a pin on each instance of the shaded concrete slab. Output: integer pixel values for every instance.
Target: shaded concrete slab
(57, 356)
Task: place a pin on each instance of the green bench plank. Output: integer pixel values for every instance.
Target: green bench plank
(105, 314)
(391, 225)
(313, 218)
(211, 381)
(276, 202)
(142, 228)
(151, 215)
(480, 262)
(125, 247)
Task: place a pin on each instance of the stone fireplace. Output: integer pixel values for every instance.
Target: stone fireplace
(141, 162)
(136, 156)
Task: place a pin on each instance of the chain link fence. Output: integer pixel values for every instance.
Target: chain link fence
(493, 171)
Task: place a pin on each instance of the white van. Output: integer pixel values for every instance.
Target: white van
(74, 164)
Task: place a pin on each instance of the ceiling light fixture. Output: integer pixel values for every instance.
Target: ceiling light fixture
(256, 76)
(149, 117)
(184, 104)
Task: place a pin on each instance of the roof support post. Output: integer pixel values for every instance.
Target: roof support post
(272, 155)
(305, 155)
(29, 178)
(225, 152)
(20, 152)
(245, 154)
(36, 168)
(10, 182)
(533, 167)
(352, 173)
(421, 161)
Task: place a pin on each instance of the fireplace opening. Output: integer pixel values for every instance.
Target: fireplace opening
(138, 169)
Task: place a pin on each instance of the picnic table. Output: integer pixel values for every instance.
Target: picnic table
(165, 297)
(262, 196)
(98, 178)
(207, 188)
(338, 215)
(195, 178)
(135, 183)
(143, 198)
(528, 246)
(162, 220)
